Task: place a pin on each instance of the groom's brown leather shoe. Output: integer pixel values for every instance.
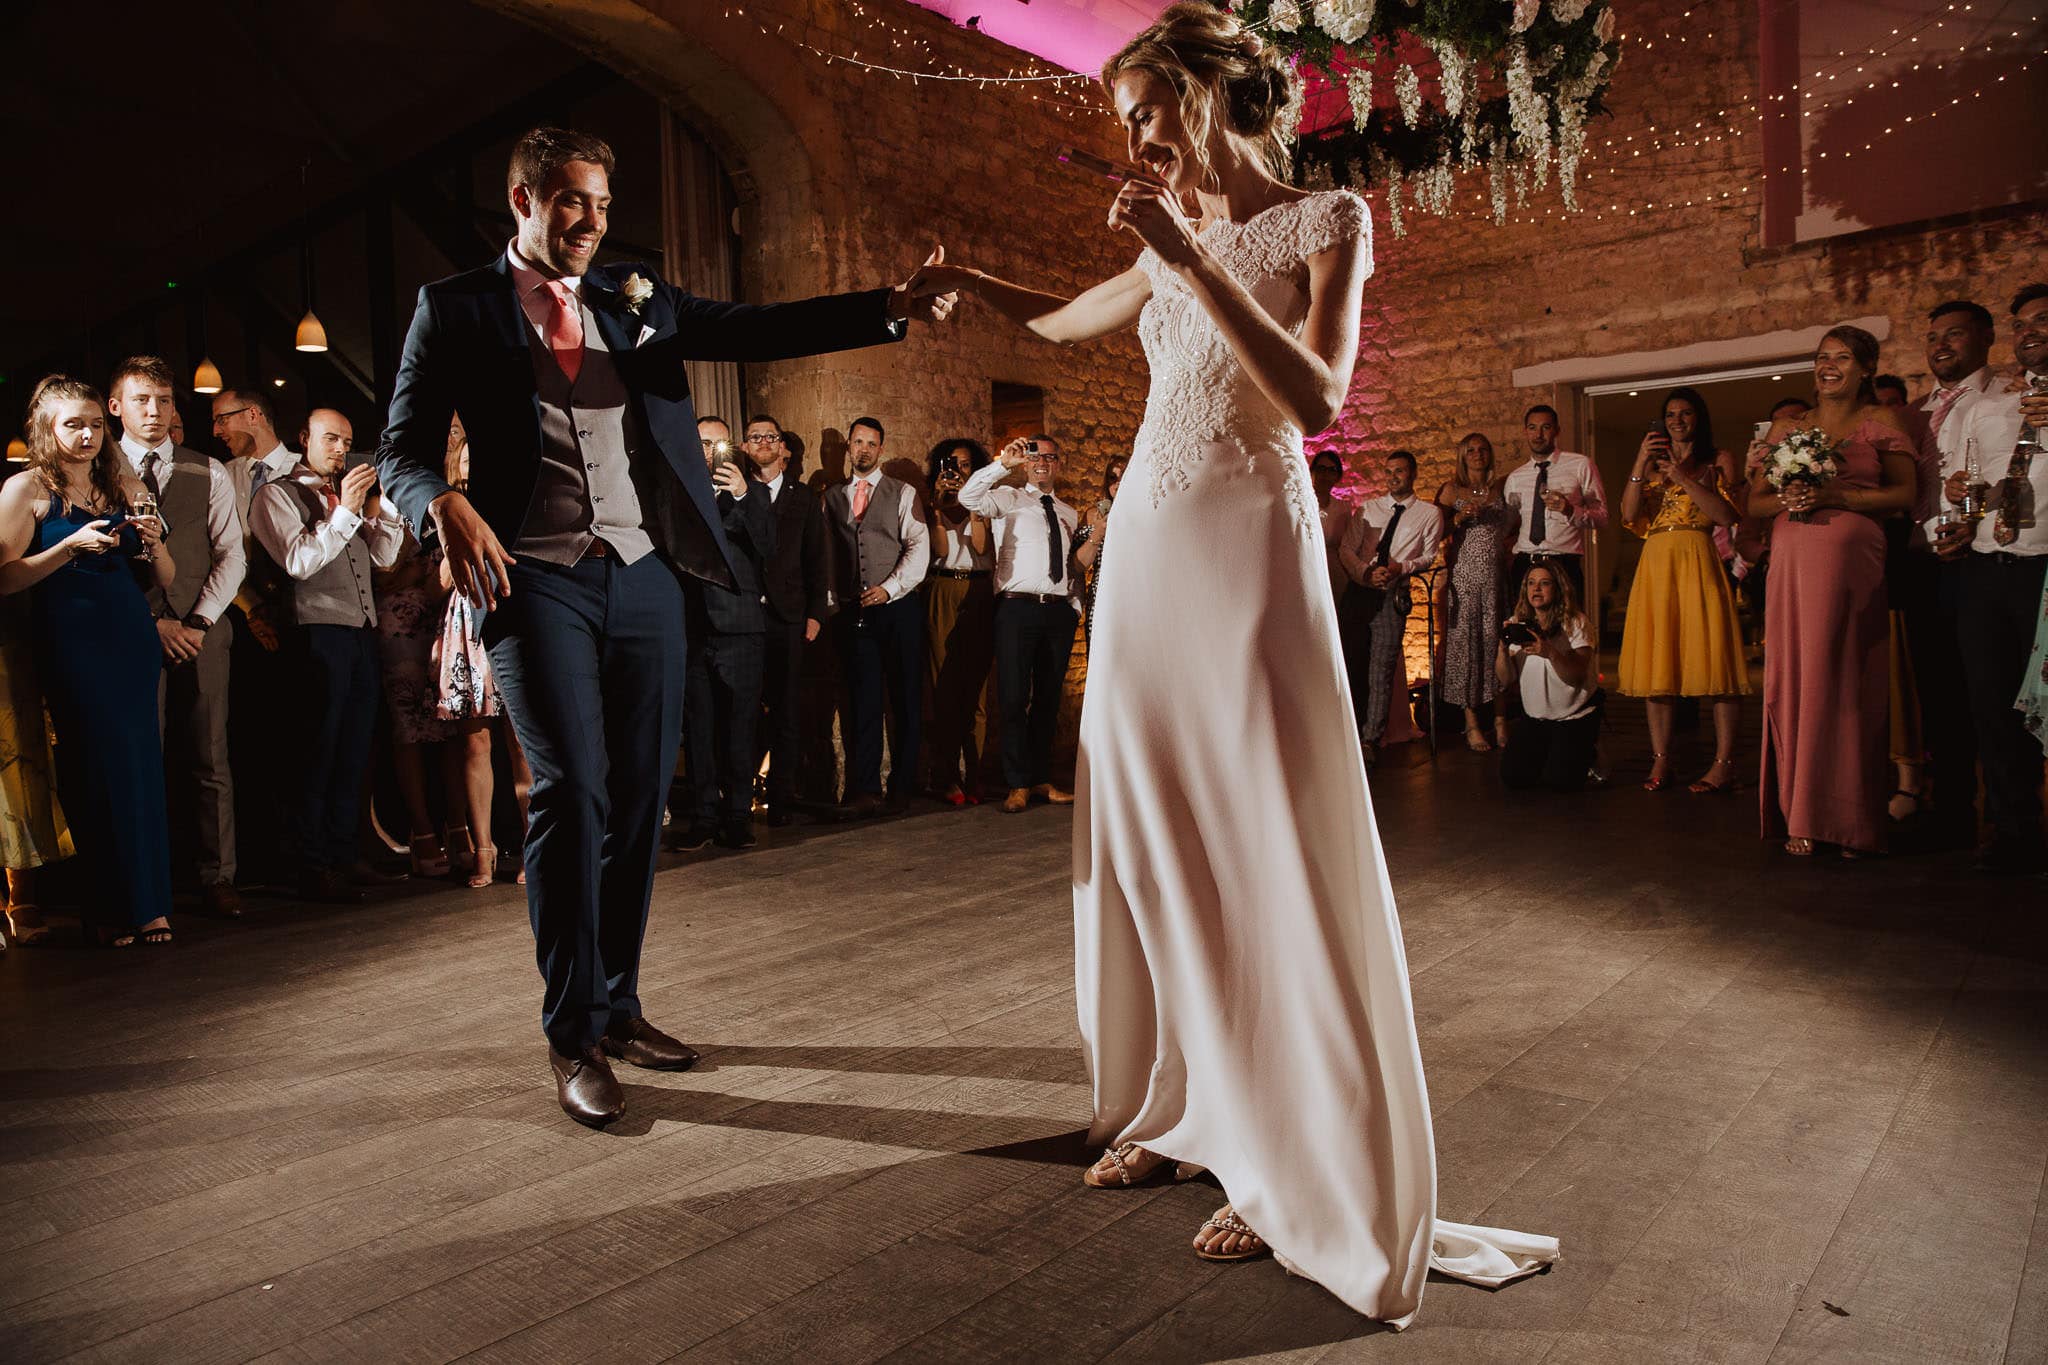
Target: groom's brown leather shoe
(586, 1087)
(642, 1044)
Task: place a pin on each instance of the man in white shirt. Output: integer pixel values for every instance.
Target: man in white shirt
(1992, 586)
(1927, 588)
(1391, 537)
(197, 503)
(1557, 498)
(328, 531)
(1036, 616)
(880, 552)
(246, 423)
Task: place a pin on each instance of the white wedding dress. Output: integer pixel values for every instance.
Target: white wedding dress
(1242, 984)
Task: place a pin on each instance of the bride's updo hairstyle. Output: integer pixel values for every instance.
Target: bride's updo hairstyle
(1220, 70)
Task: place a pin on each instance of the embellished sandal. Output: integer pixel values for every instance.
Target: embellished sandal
(429, 856)
(1124, 1168)
(1225, 1220)
(1653, 783)
(1705, 788)
(1799, 848)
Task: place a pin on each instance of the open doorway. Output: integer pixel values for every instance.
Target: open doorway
(1619, 413)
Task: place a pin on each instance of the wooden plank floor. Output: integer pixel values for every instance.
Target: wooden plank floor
(1776, 1112)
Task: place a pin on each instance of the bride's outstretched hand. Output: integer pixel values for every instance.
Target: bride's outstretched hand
(1154, 214)
(931, 293)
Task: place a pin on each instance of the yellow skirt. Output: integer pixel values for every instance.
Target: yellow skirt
(1681, 638)
(32, 828)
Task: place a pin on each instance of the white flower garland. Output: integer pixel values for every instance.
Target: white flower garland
(1408, 90)
(1525, 13)
(1358, 86)
(1568, 11)
(1345, 20)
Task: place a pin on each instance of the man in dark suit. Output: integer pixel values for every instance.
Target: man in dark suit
(722, 687)
(588, 500)
(795, 594)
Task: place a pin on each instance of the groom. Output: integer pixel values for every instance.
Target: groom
(588, 500)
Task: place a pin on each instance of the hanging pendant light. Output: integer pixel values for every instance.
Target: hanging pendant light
(17, 449)
(311, 336)
(206, 379)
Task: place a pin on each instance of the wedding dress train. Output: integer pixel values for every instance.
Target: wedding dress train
(1242, 983)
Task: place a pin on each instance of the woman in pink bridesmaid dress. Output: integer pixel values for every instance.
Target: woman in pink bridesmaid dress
(1825, 765)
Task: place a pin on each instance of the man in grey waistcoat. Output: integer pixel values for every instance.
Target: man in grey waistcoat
(588, 502)
(196, 501)
(327, 530)
(881, 550)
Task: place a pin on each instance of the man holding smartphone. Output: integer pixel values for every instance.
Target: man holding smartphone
(327, 530)
(1557, 497)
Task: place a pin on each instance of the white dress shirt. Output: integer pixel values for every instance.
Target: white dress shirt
(1951, 442)
(223, 525)
(1994, 422)
(916, 558)
(279, 521)
(1573, 475)
(1416, 538)
(243, 472)
(1022, 540)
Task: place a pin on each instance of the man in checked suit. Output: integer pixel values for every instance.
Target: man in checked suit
(588, 502)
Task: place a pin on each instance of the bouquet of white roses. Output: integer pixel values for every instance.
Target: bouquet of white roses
(1805, 456)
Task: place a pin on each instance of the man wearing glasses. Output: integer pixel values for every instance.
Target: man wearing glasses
(1036, 615)
(794, 590)
(245, 423)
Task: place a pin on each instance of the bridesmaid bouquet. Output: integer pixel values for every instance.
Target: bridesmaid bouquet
(1806, 456)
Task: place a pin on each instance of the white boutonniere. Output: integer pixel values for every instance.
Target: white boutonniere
(636, 290)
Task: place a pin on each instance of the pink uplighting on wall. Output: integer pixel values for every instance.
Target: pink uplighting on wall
(1075, 34)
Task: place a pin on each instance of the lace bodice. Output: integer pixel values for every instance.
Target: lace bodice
(1201, 396)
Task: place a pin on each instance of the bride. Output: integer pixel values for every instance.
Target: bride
(1242, 984)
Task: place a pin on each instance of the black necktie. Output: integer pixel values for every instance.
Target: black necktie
(1542, 487)
(1057, 564)
(1379, 561)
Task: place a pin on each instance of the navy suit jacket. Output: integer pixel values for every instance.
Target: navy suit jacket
(798, 585)
(749, 526)
(469, 351)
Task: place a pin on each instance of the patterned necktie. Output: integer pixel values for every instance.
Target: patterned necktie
(1944, 402)
(1536, 527)
(564, 332)
(862, 490)
(150, 479)
(1057, 565)
(1379, 560)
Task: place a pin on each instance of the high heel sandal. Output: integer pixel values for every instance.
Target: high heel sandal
(1706, 788)
(1654, 783)
(462, 855)
(429, 856)
(35, 932)
(1799, 847)
(483, 868)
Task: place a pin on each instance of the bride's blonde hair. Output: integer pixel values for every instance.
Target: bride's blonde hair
(1220, 70)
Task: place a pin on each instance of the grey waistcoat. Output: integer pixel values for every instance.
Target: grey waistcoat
(183, 501)
(589, 435)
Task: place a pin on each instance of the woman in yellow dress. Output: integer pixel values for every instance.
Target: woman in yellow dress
(1681, 638)
(32, 830)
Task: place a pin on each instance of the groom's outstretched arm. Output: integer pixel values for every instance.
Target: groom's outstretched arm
(412, 454)
(711, 329)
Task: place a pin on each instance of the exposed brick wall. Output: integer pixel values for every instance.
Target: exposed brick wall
(848, 179)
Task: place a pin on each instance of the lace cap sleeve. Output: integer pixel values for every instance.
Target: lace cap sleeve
(1333, 218)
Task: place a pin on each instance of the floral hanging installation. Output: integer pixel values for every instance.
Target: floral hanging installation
(1500, 85)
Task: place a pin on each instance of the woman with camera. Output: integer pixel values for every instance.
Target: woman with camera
(1546, 653)
(69, 534)
(1681, 638)
(960, 624)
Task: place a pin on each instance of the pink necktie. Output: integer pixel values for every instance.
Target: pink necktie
(564, 333)
(861, 490)
(1944, 399)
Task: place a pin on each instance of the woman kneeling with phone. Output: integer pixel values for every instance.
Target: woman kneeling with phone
(1546, 650)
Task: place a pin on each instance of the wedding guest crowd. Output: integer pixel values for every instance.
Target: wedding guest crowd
(179, 617)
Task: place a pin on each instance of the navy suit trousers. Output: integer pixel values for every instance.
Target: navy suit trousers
(590, 660)
(882, 651)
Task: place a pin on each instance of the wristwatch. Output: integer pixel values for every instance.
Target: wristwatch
(195, 621)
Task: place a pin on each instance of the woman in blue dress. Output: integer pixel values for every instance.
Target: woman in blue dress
(70, 537)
